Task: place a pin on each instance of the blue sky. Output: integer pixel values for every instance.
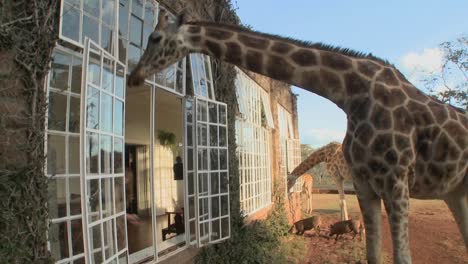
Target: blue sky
(405, 32)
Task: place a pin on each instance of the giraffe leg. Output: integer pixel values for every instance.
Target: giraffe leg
(370, 204)
(340, 187)
(457, 201)
(397, 211)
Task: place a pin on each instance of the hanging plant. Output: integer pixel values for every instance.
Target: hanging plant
(167, 139)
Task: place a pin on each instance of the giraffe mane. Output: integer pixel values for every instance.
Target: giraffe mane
(303, 43)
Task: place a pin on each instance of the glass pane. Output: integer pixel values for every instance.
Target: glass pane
(57, 198)
(59, 72)
(160, 78)
(224, 205)
(123, 45)
(94, 68)
(95, 243)
(191, 183)
(119, 81)
(107, 35)
(108, 12)
(223, 159)
(189, 111)
(215, 230)
(118, 117)
(55, 155)
(192, 231)
(107, 197)
(109, 239)
(77, 236)
(222, 114)
(189, 135)
(213, 135)
(202, 111)
(180, 81)
(170, 77)
(58, 238)
(92, 153)
(136, 30)
(90, 28)
(214, 159)
(134, 54)
(119, 194)
(137, 8)
(74, 118)
(75, 195)
(77, 68)
(123, 259)
(106, 113)
(214, 207)
(57, 111)
(93, 196)
(203, 183)
(121, 234)
(147, 30)
(225, 227)
(202, 135)
(224, 182)
(73, 155)
(214, 183)
(91, 7)
(213, 112)
(106, 154)
(123, 18)
(222, 136)
(118, 155)
(202, 159)
(71, 23)
(191, 207)
(108, 75)
(150, 9)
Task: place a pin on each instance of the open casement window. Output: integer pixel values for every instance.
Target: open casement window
(201, 76)
(103, 147)
(208, 182)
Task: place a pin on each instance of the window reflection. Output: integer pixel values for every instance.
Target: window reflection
(71, 23)
(90, 26)
(57, 111)
(55, 154)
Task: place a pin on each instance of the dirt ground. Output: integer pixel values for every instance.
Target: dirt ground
(434, 236)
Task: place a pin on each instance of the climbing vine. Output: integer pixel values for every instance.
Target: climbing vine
(27, 36)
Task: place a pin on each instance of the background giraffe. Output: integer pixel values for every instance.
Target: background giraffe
(336, 166)
(399, 142)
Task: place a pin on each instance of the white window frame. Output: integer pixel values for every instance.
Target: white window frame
(93, 47)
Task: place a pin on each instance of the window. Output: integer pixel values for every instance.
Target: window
(253, 141)
(201, 76)
(290, 147)
(94, 19)
(63, 161)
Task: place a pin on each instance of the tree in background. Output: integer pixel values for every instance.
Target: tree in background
(450, 84)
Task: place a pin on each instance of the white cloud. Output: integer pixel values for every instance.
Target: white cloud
(418, 65)
(317, 137)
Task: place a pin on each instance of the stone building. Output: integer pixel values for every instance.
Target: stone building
(143, 173)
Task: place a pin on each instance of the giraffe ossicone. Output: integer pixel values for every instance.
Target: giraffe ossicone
(399, 143)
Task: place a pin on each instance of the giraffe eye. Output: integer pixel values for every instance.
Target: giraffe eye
(155, 38)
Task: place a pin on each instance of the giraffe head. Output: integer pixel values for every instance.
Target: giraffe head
(165, 47)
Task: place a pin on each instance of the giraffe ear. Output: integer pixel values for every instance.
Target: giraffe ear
(162, 20)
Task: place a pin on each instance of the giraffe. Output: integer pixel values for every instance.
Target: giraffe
(336, 166)
(307, 186)
(399, 142)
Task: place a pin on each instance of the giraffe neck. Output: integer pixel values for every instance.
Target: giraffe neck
(325, 72)
(322, 154)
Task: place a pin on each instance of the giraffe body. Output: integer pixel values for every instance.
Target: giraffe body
(336, 166)
(399, 142)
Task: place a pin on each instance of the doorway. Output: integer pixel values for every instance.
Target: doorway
(169, 177)
(154, 173)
